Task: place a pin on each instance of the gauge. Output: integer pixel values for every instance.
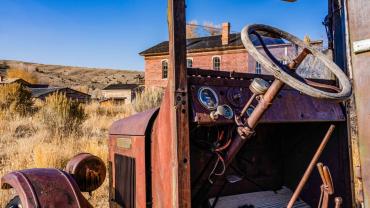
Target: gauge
(228, 112)
(250, 110)
(235, 97)
(208, 98)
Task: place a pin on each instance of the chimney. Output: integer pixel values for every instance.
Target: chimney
(225, 36)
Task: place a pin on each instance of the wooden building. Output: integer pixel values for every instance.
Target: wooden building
(20, 81)
(42, 93)
(120, 92)
(14, 80)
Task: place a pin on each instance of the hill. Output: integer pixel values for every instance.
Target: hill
(90, 80)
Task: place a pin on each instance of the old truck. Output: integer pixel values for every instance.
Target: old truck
(226, 139)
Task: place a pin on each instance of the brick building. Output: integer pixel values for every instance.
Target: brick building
(221, 52)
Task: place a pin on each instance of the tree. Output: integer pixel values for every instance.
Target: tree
(22, 74)
(211, 28)
(192, 28)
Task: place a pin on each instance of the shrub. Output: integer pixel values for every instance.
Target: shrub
(14, 98)
(109, 108)
(24, 130)
(62, 116)
(148, 99)
(20, 73)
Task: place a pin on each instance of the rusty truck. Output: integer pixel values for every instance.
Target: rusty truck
(228, 139)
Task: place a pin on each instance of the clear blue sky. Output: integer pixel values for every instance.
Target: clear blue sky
(111, 33)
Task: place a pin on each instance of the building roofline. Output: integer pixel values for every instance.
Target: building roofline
(130, 86)
(52, 90)
(223, 48)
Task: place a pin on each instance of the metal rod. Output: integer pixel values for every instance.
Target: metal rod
(329, 180)
(248, 104)
(311, 166)
(325, 201)
(320, 168)
(299, 59)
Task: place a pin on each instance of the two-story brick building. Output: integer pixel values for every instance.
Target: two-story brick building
(221, 52)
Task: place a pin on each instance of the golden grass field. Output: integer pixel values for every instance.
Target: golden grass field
(26, 141)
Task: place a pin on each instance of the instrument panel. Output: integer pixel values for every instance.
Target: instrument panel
(216, 100)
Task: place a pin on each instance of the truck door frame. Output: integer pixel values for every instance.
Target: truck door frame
(347, 27)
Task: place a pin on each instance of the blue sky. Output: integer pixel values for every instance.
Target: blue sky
(111, 33)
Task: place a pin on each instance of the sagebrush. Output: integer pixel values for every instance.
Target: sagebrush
(15, 99)
(148, 99)
(20, 73)
(26, 141)
(62, 116)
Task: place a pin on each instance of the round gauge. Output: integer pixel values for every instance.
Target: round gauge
(208, 98)
(250, 110)
(228, 112)
(235, 97)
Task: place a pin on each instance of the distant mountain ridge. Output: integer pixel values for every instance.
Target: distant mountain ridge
(90, 80)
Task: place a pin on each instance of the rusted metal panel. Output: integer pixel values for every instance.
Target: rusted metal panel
(358, 24)
(137, 152)
(35, 186)
(164, 160)
(135, 125)
(290, 105)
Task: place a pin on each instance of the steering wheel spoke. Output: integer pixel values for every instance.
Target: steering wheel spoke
(299, 59)
(284, 72)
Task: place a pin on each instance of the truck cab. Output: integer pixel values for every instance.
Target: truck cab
(228, 139)
(268, 166)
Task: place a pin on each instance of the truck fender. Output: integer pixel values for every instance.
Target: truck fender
(135, 125)
(45, 187)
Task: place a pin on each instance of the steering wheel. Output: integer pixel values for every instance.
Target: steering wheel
(282, 73)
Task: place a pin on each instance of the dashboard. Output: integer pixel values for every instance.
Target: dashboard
(214, 91)
(206, 99)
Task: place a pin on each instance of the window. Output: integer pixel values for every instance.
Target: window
(164, 69)
(189, 63)
(216, 62)
(258, 68)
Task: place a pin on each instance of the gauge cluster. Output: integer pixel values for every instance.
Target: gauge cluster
(217, 104)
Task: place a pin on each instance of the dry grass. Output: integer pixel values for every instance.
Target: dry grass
(148, 99)
(20, 73)
(15, 99)
(61, 116)
(26, 141)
